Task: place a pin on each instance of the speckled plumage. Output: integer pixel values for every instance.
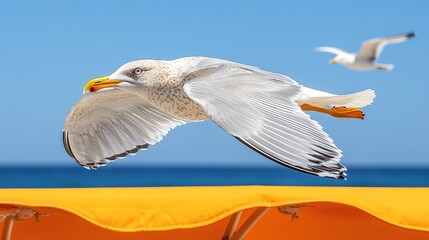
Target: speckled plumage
(172, 99)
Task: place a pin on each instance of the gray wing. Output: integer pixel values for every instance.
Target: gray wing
(332, 50)
(372, 48)
(259, 109)
(111, 124)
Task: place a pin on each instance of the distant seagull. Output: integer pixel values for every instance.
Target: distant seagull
(143, 100)
(369, 52)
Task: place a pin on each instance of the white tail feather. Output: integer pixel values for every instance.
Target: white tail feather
(387, 67)
(353, 100)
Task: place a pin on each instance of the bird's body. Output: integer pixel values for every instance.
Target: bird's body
(167, 93)
(367, 55)
(140, 102)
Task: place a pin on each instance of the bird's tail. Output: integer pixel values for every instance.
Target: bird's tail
(387, 67)
(353, 100)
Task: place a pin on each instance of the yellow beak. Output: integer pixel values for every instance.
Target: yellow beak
(96, 84)
(332, 61)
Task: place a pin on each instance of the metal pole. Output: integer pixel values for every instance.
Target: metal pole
(232, 225)
(250, 222)
(7, 228)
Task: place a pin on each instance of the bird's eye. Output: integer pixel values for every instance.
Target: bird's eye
(138, 71)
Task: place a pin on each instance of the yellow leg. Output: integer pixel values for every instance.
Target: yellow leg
(340, 112)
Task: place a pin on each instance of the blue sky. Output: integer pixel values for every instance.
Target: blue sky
(49, 49)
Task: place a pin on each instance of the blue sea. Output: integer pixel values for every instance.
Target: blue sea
(71, 177)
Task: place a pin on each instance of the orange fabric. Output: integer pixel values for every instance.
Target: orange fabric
(203, 212)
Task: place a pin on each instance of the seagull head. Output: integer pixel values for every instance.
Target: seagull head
(342, 59)
(136, 74)
(333, 61)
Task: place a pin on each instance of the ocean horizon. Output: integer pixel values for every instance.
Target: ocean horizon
(76, 177)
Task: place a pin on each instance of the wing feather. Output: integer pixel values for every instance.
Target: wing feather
(259, 109)
(372, 48)
(332, 50)
(107, 125)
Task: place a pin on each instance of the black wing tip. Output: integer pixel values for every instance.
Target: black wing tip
(336, 173)
(97, 164)
(411, 34)
(105, 161)
(67, 147)
(131, 151)
(342, 175)
(66, 144)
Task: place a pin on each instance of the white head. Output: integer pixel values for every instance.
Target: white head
(137, 74)
(343, 59)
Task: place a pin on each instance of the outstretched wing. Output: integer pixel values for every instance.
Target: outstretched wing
(259, 109)
(372, 48)
(332, 50)
(106, 125)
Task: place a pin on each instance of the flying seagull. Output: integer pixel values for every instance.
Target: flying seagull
(143, 100)
(369, 52)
